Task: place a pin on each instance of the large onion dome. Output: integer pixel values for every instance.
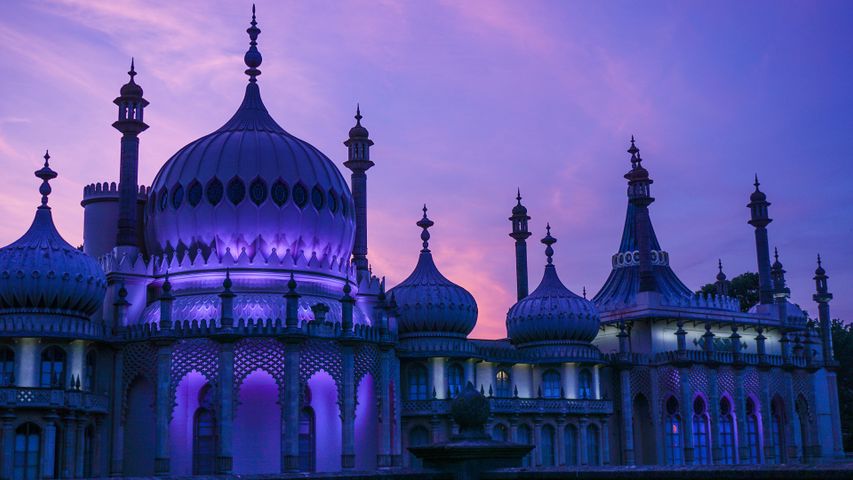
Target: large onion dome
(251, 185)
(552, 313)
(41, 274)
(430, 304)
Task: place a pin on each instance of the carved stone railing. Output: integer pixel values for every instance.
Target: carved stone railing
(31, 397)
(514, 405)
(703, 357)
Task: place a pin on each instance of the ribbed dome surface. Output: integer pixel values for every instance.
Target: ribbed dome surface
(250, 185)
(429, 303)
(42, 274)
(552, 313)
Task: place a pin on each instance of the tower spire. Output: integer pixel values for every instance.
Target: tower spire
(425, 223)
(822, 297)
(253, 57)
(520, 234)
(639, 195)
(46, 174)
(358, 161)
(759, 219)
(131, 106)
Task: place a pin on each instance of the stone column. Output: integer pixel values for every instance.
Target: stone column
(686, 414)
(383, 459)
(740, 412)
(81, 447)
(792, 429)
(163, 410)
(657, 424)
(582, 457)
(48, 460)
(290, 411)
(9, 445)
(224, 456)
(470, 373)
(605, 442)
(627, 415)
(117, 417)
(97, 448)
(714, 410)
(435, 429)
(560, 453)
(70, 432)
(348, 407)
(767, 419)
(537, 440)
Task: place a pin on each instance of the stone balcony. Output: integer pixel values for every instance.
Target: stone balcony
(514, 405)
(55, 399)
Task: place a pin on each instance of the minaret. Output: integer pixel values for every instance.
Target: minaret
(822, 297)
(520, 233)
(130, 108)
(358, 161)
(759, 219)
(781, 292)
(639, 195)
(722, 283)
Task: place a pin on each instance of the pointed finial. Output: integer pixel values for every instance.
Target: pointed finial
(46, 174)
(756, 182)
(720, 265)
(132, 71)
(291, 284)
(358, 116)
(776, 253)
(253, 57)
(518, 197)
(226, 284)
(584, 292)
(548, 240)
(425, 223)
(819, 261)
(167, 285)
(635, 153)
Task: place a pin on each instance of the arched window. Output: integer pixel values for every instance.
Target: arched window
(7, 367)
(777, 430)
(547, 446)
(27, 452)
(701, 445)
(592, 444)
(204, 435)
(417, 380)
(307, 440)
(500, 433)
(417, 436)
(91, 361)
(454, 380)
(503, 383)
(551, 384)
(53, 368)
(672, 435)
(753, 438)
(801, 408)
(523, 436)
(584, 384)
(727, 432)
(570, 442)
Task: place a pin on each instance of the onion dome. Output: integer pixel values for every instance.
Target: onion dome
(252, 186)
(519, 209)
(358, 131)
(552, 313)
(131, 89)
(721, 277)
(819, 271)
(430, 304)
(41, 274)
(757, 195)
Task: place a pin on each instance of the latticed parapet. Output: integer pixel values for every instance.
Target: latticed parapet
(516, 406)
(46, 398)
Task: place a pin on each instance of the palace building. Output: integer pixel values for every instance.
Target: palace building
(225, 319)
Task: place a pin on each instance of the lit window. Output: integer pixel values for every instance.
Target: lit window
(551, 384)
(701, 445)
(672, 433)
(454, 380)
(417, 380)
(727, 432)
(53, 368)
(585, 384)
(503, 384)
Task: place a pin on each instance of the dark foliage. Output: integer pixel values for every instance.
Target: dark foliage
(842, 343)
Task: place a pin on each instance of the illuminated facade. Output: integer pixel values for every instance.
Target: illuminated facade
(225, 320)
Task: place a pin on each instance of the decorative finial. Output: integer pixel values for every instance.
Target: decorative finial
(132, 71)
(756, 182)
(227, 282)
(518, 197)
(776, 254)
(548, 241)
(167, 285)
(291, 284)
(358, 116)
(819, 261)
(635, 153)
(425, 223)
(584, 292)
(253, 57)
(720, 265)
(46, 174)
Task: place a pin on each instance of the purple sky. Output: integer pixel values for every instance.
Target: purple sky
(466, 101)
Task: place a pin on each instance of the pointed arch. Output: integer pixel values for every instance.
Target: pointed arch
(139, 429)
(367, 431)
(324, 402)
(257, 425)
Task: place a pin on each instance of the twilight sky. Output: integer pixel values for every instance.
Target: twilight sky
(467, 101)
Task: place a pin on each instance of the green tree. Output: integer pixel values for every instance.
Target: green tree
(744, 287)
(842, 345)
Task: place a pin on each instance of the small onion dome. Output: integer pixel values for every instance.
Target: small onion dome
(131, 89)
(358, 131)
(429, 303)
(42, 274)
(721, 277)
(819, 271)
(519, 209)
(757, 195)
(552, 313)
